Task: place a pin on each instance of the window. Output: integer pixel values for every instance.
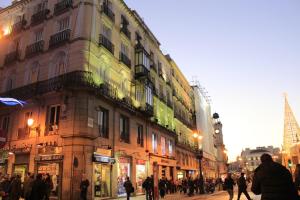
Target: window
(163, 145)
(124, 49)
(154, 142)
(53, 117)
(40, 7)
(170, 148)
(140, 135)
(149, 98)
(63, 24)
(139, 92)
(106, 32)
(124, 129)
(103, 122)
(4, 120)
(38, 35)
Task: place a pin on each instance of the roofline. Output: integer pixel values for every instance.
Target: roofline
(13, 5)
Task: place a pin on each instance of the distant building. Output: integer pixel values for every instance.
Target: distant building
(250, 158)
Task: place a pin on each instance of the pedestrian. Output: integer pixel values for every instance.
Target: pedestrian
(191, 186)
(228, 184)
(162, 188)
(147, 185)
(27, 186)
(4, 187)
(297, 177)
(273, 181)
(242, 187)
(84, 185)
(48, 186)
(38, 188)
(128, 187)
(15, 189)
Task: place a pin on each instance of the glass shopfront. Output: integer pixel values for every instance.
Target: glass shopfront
(52, 165)
(21, 170)
(101, 180)
(140, 175)
(123, 172)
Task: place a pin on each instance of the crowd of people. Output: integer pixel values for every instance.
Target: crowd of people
(38, 188)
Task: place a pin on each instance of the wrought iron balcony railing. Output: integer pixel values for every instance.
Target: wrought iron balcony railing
(11, 57)
(34, 48)
(59, 38)
(18, 27)
(62, 6)
(39, 17)
(105, 42)
(124, 59)
(108, 12)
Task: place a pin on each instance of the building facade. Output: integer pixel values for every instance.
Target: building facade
(101, 98)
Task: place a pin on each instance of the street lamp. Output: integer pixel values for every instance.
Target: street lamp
(30, 122)
(199, 156)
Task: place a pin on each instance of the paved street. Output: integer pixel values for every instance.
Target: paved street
(216, 196)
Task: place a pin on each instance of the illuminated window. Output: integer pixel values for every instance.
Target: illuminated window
(163, 145)
(170, 148)
(154, 142)
(53, 118)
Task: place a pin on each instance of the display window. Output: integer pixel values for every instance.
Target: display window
(123, 172)
(180, 175)
(53, 169)
(140, 175)
(101, 180)
(21, 170)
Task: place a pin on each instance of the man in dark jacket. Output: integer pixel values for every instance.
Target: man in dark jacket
(242, 185)
(228, 184)
(147, 185)
(273, 181)
(128, 187)
(38, 188)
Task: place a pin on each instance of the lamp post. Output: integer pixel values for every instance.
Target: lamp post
(199, 156)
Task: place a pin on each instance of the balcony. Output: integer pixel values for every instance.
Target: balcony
(18, 27)
(149, 110)
(34, 48)
(124, 59)
(108, 12)
(11, 57)
(39, 17)
(106, 43)
(59, 38)
(126, 32)
(141, 71)
(62, 6)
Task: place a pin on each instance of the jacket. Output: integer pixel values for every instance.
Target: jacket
(274, 182)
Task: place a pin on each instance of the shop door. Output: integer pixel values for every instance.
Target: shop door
(140, 176)
(54, 169)
(21, 169)
(123, 172)
(101, 180)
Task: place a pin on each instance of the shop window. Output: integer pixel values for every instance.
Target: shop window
(101, 179)
(103, 123)
(53, 119)
(124, 168)
(124, 129)
(140, 135)
(163, 145)
(154, 142)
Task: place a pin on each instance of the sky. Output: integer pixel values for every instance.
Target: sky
(245, 53)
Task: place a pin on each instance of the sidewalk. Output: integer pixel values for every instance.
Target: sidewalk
(178, 196)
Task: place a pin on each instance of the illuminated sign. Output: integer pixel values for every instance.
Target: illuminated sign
(11, 101)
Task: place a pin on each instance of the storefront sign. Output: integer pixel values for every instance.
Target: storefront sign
(49, 157)
(104, 152)
(163, 161)
(103, 159)
(21, 150)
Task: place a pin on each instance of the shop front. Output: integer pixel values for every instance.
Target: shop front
(21, 165)
(51, 164)
(124, 170)
(102, 168)
(140, 175)
(166, 166)
(3, 162)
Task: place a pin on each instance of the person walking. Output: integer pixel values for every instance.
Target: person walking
(38, 188)
(128, 187)
(147, 185)
(84, 185)
(228, 184)
(27, 185)
(162, 188)
(273, 181)
(242, 187)
(191, 186)
(48, 186)
(15, 189)
(297, 177)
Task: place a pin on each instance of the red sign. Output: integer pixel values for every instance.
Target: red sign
(3, 138)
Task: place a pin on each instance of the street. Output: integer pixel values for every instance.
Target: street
(219, 195)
